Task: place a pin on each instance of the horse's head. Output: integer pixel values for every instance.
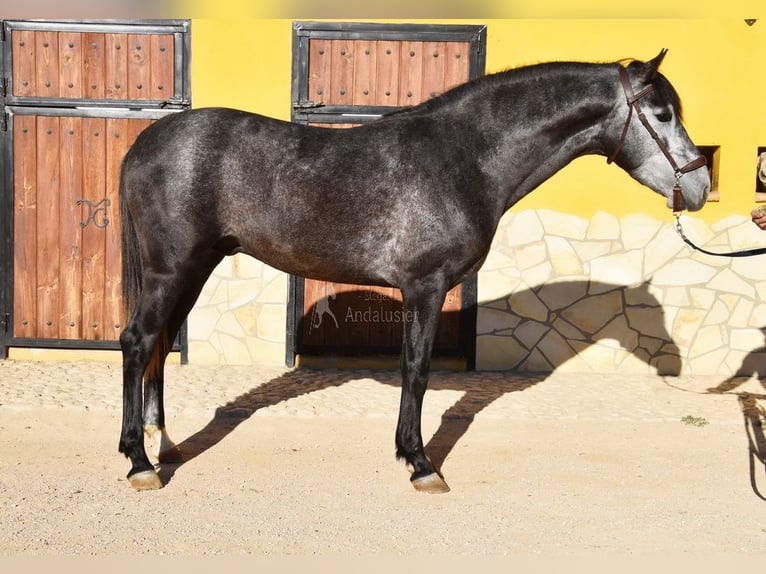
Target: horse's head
(649, 140)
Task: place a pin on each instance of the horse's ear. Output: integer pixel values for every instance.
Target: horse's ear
(651, 67)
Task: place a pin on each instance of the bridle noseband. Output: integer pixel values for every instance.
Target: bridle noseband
(632, 99)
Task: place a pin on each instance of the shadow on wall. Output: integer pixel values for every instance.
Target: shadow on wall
(529, 330)
(630, 316)
(539, 329)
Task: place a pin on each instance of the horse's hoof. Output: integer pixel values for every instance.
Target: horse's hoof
(145, 480)
(431, 483)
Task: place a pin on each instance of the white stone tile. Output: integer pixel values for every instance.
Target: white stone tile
(495, 286)
(637, 230)
(522, 228)
(529, 333)
(683, 272)
(489, 321)
(559, 293)
(746, 340)
(740, 317)
(701, 298)
(201, 323)
(563, 258)
(727, 281)
(707, 340)
(271, 325)
(603, 226)
(526, 303)
(538, 274)
(662, 249)
(687, 325)
(751, 268)
(228, 324)
(718, 314)
(498, 353)
(591, 314)
(563, 224)
(530, 255)
(620, 268)
(589, 250)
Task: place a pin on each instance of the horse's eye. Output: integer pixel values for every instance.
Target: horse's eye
(664, 116)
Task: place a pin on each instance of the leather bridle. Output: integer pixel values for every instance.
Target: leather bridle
(632, 100)
(697, 163)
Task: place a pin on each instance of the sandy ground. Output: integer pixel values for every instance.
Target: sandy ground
(284, 463)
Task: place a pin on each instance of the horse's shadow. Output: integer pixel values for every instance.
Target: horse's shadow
(635, 320)
(753, 411)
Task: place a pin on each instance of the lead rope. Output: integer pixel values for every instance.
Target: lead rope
(690, 243)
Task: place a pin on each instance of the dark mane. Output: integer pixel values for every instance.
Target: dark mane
(480, 86)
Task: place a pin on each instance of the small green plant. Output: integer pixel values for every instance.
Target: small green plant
(695, 421)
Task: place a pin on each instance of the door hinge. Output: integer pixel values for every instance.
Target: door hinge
(6, 322)
(307, 105)
(176, 103)
(4, 118)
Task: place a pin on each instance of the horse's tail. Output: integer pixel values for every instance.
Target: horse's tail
(132, 276)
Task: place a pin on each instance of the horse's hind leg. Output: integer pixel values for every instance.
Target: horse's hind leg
(422, 306)
(164, 301)
(163, 448)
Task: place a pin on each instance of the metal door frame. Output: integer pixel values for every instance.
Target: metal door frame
(306, 111)
(11, 106)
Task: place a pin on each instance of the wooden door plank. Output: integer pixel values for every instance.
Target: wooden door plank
(93, 236)
(94, 65)
(389, 310)
(23, 66)
(448, 332)
(162, 67)
(457, 58)
(387, 74)
(349, 308)
(116, 58)
(122, 134)
(434, 65)
(139, 70)
(70, 237)
(365, 69)
(70, 65)
(24, 226)
(320, 65)
(317, 299)
(48, 197)
(410, 73)
(342, 78)
(47, 64)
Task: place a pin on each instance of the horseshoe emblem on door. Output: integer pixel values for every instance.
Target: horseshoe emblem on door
(96, 212)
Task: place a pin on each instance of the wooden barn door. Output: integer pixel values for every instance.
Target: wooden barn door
(77, 96)
(345, 75)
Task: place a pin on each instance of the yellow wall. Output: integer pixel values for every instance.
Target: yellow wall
(713, 63)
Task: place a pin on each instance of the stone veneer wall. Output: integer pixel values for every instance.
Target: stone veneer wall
(621, 295)
(240, 316)
(609, 295)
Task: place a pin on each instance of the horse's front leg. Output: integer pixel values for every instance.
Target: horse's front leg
(422, 306)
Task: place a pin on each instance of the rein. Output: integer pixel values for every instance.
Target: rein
(632, 100)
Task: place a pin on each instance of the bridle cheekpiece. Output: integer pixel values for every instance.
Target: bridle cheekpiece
(632, 100)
